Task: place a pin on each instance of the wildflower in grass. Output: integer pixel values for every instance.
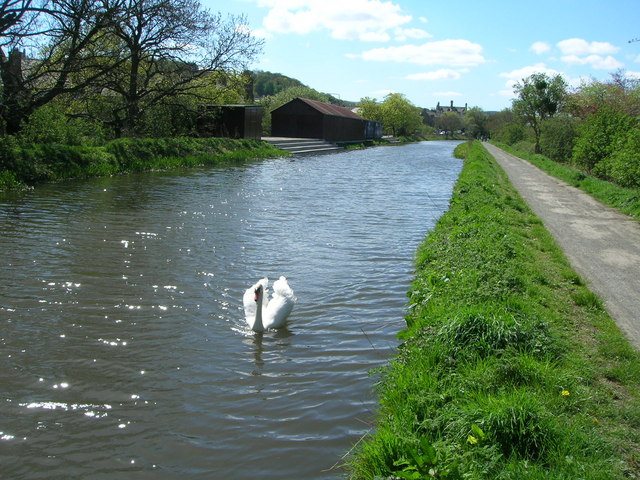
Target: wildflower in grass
(565, 393)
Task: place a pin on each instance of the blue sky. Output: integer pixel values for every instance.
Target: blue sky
(468, 51)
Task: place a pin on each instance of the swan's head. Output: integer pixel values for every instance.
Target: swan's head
(257, 293)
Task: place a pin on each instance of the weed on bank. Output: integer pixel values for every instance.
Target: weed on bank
(510, 367)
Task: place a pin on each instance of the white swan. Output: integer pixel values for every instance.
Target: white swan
(273, 313)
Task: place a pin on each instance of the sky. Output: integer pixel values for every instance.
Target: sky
(466, 51)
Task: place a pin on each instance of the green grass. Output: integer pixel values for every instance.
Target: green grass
(627, 200)
(510, 367)
(30, 164)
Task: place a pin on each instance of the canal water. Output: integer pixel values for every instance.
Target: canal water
(123, 347)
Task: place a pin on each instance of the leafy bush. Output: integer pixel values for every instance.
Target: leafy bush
(623, 165)
(50, 124)
(510, 133)
(597, 137)
(558, 137)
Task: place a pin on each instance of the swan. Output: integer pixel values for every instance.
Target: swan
(262, 313)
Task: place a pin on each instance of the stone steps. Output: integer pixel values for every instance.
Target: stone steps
(303, 146)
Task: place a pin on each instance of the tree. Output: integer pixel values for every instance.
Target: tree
(63, 33)
(169, 45)
(132, 55)
(13, 14)
(370, 109)
(267, 83)
(621, 93)
(449, 122)
(399, 115)
(539, 97)
(475, 123)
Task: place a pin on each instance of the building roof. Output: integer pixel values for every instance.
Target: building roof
(328, 109)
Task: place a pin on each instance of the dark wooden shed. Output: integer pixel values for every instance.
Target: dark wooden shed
(304, 118)
(233, 121)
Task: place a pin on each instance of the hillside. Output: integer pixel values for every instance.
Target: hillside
(269, 83)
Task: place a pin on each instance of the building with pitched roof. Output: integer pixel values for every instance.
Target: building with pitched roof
(304, 118)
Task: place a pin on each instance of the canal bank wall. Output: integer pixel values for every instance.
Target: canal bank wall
(510, 366)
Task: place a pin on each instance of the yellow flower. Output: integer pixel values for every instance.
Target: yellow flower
(565, 393)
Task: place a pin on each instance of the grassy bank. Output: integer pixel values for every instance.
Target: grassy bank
(510, 366)
(627, 200)
(24, 165)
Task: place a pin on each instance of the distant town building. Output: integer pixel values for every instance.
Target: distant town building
(429, 115)
(440, 110)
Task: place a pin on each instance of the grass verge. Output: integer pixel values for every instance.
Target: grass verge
(25, 165)
(510, 367)
(627, 200)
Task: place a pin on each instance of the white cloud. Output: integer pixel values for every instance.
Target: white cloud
(516, 76)
(442, 74)
(635, 75)
(519, 74)
(366, 20)
(261, 33)
(595, 61)
(579, 46)
(540, 47)
(597, 55)
(453, 53)
(403, 34)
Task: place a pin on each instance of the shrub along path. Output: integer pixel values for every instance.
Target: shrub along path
(601, 244)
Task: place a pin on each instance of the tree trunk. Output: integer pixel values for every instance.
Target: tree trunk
(132, 112)
(14, 95)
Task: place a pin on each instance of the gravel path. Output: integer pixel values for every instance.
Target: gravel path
(602, 244)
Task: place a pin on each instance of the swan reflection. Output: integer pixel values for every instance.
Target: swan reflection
(274, 344)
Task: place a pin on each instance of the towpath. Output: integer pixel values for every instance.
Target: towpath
(602, 245)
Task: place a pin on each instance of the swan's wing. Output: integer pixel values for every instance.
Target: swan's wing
(277, 311)
(281, 304)
(281, 287)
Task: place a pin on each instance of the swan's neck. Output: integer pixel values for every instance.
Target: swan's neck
(257, 324)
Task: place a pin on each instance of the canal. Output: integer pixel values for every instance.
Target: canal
(124, 350)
